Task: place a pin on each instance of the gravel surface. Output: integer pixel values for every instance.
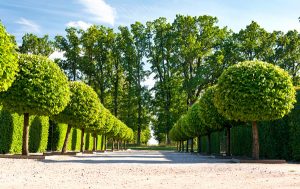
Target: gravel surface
(146, 170)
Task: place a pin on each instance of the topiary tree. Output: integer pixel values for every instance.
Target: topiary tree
(8, 59)
(208, 114)
(254, 91)
(195, 123)
(40, 88)
(81, 112)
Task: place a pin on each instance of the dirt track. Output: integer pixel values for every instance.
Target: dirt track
(144, 169)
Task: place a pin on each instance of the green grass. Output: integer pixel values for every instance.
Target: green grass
(160, 147)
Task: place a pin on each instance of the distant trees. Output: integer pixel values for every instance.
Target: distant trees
(32, 44)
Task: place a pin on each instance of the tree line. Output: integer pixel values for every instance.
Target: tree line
(184, 57)
(35, 85)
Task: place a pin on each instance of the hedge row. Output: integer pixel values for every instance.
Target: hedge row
(57, 133)
(11, 130)
(279, 139)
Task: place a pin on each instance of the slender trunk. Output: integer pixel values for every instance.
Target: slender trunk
(113, 145)
(124, 147)
(179, 149)
(177, 145)
(25, 150)
(102, 143)
(255, 141)
(138, 136)
(64, 149)
(199, 144)
(209, 143)
(95, 143)
(182, 146)
(82, 140)
(192, 145)
(139, 103)
(187, 146)
(118, 145)
(228, 151)
(105, 143)
(96, 146)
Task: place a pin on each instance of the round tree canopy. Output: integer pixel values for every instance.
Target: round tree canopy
(8, 59)
(84, 107)
(207, 111)
(254, 91)
(40, 88)
(194, 120)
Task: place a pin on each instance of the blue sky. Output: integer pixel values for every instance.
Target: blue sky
(52, 17)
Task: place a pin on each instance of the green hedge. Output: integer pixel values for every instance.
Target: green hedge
(278, 139)
(57, 133)
(11, 130)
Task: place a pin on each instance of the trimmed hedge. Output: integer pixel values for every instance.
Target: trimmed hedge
(56, 138)
(278, 139)
(11, 130)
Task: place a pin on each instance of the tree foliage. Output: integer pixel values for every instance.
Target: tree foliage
(8, 59)
(84, 106)
(40, 88)
(254, 91)
(32, 44)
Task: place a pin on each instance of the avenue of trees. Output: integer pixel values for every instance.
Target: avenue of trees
(41, 88)
(184, 57)
(249, 91)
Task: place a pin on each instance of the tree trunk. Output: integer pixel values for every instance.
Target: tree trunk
(228, 151)
(64, 149)
(199, 144)
(192, 145)
(179, 149)
(138, 136)
(118, 145)
(95, 143)
(82, 141)
(113, 145)
(105, 142)
(255, 141)
(124, 146)
(182, 146)
(209, 143)
(187, 146)
(25, 150)
(177, 145)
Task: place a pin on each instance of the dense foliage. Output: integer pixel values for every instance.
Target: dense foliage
(254, 91)
(40, 88)
(83, 108)
(8, 59)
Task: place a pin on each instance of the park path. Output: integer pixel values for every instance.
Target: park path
(146, 170)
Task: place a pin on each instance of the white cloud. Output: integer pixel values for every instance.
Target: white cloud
(56, 54)
(102, 11)
(79, 24)
(28, 25)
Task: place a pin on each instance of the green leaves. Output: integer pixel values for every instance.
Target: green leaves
(40, 88)
(83, 108)
(8, 59)
(254, 91)
(36, 45)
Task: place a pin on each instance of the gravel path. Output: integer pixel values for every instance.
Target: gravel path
(144, 169)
